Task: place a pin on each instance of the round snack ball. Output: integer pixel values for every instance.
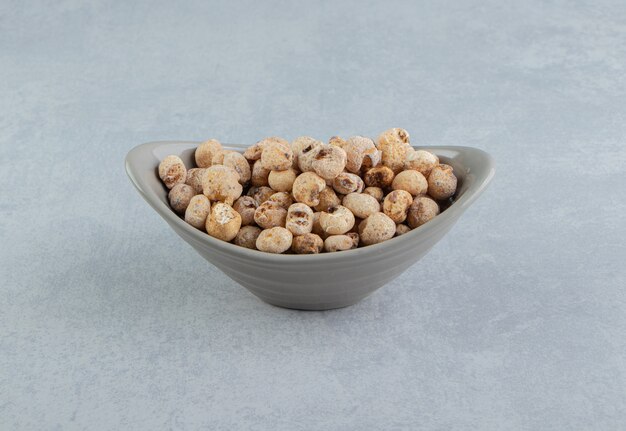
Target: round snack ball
(246, 206)
(197, 211)
(282, 181)
(180, 196)
(422, 210)
(337, 220)
(307, 188)
(238, 162)
(259, 175)
(328, 199)
(218, 157)
(441, 182)
(172, 171)
(223, 222)
(309, 243)
(270, 214)
(401, 229)
(274, 240)
(276, 155)
(376, 228)
(394, 144)
(260, 194)
(247, 236)
(282, 198)
(300, 144)
(396, 205)
(306, 156)
(360, 204)
(299, 219)
(221, 183)
(329, 162)
(360, 153)
(345, 183)
(206, 151)
(375, 192)
(380, 176)
(338, 243)
(194, 179)
(421, 161)
(411, 181)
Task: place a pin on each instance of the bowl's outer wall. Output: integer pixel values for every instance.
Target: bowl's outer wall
(312, 282)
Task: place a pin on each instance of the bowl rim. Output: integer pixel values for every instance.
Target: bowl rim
(137, 156)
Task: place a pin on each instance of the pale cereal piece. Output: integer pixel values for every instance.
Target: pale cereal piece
(345, 183)
(238, 162)
(221, 183)
(411, 181)
(306, 156)
(375, 192)
(338, 243)
(276, 155)
(328, 199)
(299, 144)
(194, 179)
(394, 144)
(421, 161)
(197, 211)
(274, 240)
(442, 182)
(355, 238)
(246, 206)
(247, 236)
(179, 196)
(396, 205)
(260, 194)
(223, 222)
(172, 171)
(376, 228)
(380, 176)
(282, 198)
(360, 153)
(337, 141)
(307, 188)
(422, 210)
(270, 214)
(206, 151)
(329, 162)
(337, 220)
(309, 243)
(259, 175)
(401, 229)
(282, 181)
(299, 219)
(360, 204)
(254, 152)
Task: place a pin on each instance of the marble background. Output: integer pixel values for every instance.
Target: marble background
(515, 321)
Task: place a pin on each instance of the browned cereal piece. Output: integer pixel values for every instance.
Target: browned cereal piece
(376, 228)
(396, 205)
(238, 162)
(223, 222)
(194, 179)
(299, 219)
(270, 214)
(179, 196)
(306, 155)
(329, 162)
(345, 183)
(380, 176)
(197, 211)
(274, 240)
(355, 238)
(259, 175)
(307, 188)
(276, 154)
(260, 194)
(221, 183)
(309, 243)
(206, 151)
(361, 153)
(422, 210)
(246, 206)
(328, 199)
(401, 229)
(337, 220)
(442, 182)
(375, 192)
(247, 236)
(283, 198)
(172, 171)
(394, 144)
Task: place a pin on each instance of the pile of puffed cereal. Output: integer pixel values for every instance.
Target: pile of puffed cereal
(308, 196)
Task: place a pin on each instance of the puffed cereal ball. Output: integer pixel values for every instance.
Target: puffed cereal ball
(328, 199)
(360, 204)
(411, 181)
(260, 194)
(194, 179)
(345, 183)
(441, 182)
(247, 236)
(238, 162)
(401, 229)
(376, 228)
(309, 243)
(282, 198)
(206, 151)
(421, 161)
(276, 155)
(259, 175)
(361, 153)
(338, 243)
(394, 144)
(337, 220)
(221, 183)
(246, 206)
(282, 181)
(180, 196)
(307, 188)
(223, 222)
(299, 144)
(197, 211)
(422, 210)
(299, 219)
(172, 171)
(396, 205)
(274, 240)
(380, 176)
(270, 214)
(329, 162)
(306, 156)
(375, 192)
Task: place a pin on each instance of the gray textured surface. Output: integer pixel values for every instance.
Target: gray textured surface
(516, 320)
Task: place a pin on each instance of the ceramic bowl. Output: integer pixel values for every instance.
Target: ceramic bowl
(312, 282)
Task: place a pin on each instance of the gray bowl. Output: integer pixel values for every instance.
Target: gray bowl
(321, 281)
